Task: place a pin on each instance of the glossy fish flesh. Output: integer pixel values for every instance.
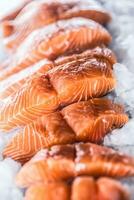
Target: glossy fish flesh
(87, 121)
(57, 39)
(14, 82)
(37, 14)
(63, 162)
(81, 188)
(71, 82)
(100, 53)
(52, 191)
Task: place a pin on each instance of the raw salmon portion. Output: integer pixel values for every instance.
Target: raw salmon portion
(14, 82)
(63, 162)
(51, 191)
(110, 189)
(84, 121)
(74, 81)
(46, 131)
(92, 120)
(37, 14)
(82, 188)
(85, 188)
(14, 11)
(57, 39)
(81, 80)
(36, 97)
(99, 53)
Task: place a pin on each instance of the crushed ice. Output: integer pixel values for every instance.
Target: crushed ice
(8, 189)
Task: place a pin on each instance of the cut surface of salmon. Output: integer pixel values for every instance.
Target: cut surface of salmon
(71, 82)
(37, 14)
(34, 98)
(85, 188)
(84, 121)
(81, 188)
(51, 191)
(63, 162)
(55, 40)
(110, 189)
(14, 82)
(100, 53)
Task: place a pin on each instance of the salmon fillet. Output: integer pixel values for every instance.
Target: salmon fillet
(99, 53)
(57, 39)
(37, 14)
(84, 121)
(52, 191)
(71, 82)
(14, 82)
(81, 188)
(85, 188)
(63, 162)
